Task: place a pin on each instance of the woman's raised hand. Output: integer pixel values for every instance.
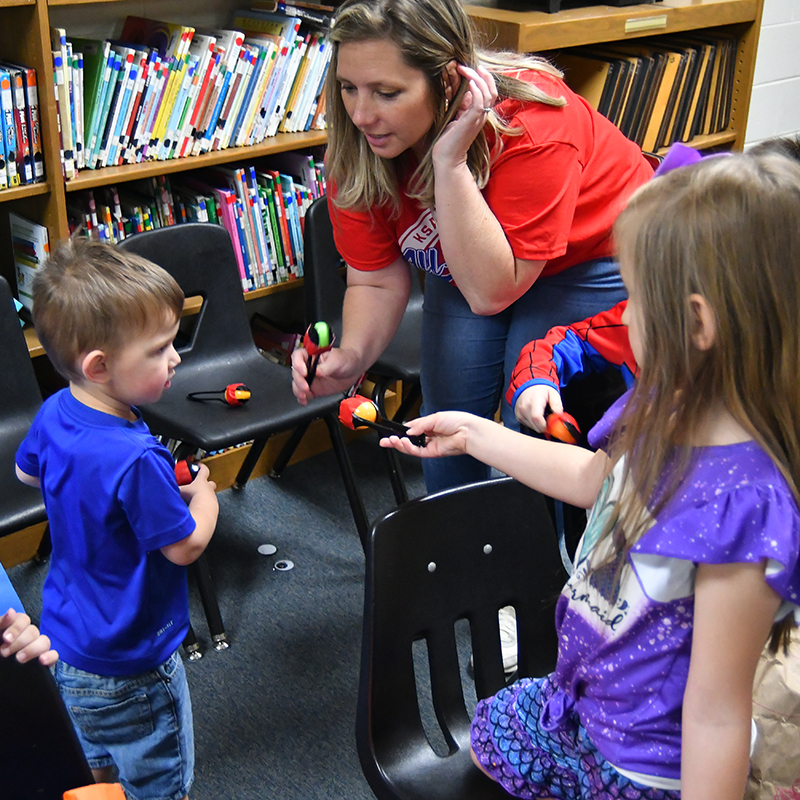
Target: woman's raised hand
(451, 147)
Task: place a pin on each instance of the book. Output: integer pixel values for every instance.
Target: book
(109, 89)
(18, 91)
(58, 41)
(107, 113)
(34, 125)
(95, 54)
(30, 247)
(118, 111)
(8, 126)
(144, 56)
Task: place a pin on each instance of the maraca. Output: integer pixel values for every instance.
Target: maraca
(561, 427)
(358, 412)
(318, 339)
(234, 394)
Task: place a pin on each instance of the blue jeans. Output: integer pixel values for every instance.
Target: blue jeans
(141, 724)
(467, 359)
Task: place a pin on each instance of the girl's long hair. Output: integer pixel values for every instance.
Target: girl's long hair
(727, 229)
(430, 34)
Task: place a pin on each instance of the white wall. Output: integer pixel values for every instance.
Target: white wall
(775, 102)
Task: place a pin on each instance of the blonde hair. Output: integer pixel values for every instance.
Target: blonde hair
(727, 229)
(89, 295)
(430, 34)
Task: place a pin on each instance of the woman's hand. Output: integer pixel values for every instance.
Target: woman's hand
(451, 147)
(446, 434)
(337, 370)
(533, 402)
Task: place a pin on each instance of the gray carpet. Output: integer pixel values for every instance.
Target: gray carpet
(275, 713)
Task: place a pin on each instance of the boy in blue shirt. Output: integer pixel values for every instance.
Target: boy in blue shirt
(115, 601)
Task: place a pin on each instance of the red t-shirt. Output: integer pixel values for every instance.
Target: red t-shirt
(556, 190)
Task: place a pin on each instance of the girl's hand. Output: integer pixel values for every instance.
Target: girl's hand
(533, 402)
(446, 432)
(337, 370)
(24, 639)
(455, 140)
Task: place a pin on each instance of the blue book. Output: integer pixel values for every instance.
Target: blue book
(102, 117)
(260, 60)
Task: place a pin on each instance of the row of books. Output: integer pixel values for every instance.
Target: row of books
(164, 90)
(262, 208)
(659, 92)
(21, 157)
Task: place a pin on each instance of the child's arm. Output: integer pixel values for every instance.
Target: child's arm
(563, 471)
(24, 639)
(568, 351)
(30, 480)
(203, 506)
(734, 611)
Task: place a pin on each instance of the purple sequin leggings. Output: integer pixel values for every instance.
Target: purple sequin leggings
(530, 762)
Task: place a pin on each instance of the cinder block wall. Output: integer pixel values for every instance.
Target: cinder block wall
(775, 102)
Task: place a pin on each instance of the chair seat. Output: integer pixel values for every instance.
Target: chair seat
(212, 424)
(22, 506)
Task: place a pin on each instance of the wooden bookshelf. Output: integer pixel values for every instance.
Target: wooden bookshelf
(538, 31)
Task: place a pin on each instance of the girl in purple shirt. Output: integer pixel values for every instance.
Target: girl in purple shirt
(690, 561)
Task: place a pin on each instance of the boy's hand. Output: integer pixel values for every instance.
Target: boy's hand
(24, 639)
(533, 402)
(446, 434)
(200, 484)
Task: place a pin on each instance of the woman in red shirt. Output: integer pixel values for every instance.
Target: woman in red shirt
(484, 170)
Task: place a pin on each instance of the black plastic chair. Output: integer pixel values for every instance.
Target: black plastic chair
(221, 351)
(324, 287)
(460, 554)
(21, 506)
(43, 756)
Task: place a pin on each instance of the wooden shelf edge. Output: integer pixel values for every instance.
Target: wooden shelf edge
(536, 31)
(89, 179)
(27, 190)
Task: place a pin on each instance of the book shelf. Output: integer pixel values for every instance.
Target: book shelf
(25, 38)
(537, 31)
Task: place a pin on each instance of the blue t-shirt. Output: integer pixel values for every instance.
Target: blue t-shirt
(112, 603)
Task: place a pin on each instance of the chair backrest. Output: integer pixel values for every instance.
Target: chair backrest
(20, 505)
(325, 286)
(43, 756)
(461, 554)
(200, 257)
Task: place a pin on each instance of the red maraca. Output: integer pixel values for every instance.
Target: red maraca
(358, 412)
(186, 471)
(561, 427)
(234, 394)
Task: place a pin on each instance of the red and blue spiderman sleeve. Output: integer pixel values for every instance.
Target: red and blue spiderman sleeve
(593, 345)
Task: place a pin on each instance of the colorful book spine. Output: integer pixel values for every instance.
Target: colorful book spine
(8, 127)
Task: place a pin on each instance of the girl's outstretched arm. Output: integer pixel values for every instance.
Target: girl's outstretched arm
(563, 471)
(734, 611)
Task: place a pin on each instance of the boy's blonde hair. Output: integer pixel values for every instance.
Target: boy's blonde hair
(92, 296)
(430, 34)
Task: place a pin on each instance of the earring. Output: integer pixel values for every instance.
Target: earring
(446, 105)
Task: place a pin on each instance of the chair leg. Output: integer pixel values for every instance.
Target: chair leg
(191, 646)
(45, 546)
(408, 401)
(396, 477)
(210, 605)
(250, 461)
(346, 468)
(287, 451)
